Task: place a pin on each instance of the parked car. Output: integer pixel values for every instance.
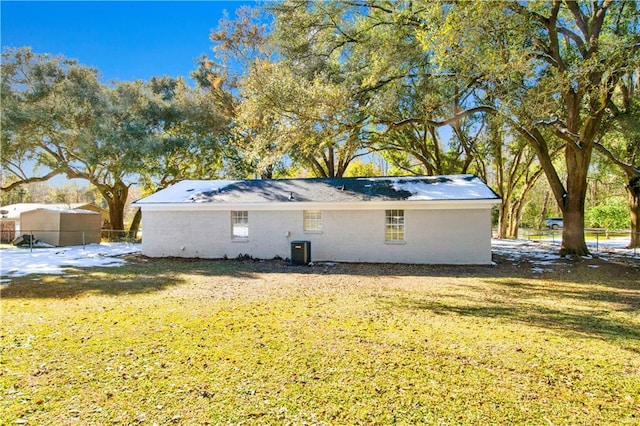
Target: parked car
(554, 222)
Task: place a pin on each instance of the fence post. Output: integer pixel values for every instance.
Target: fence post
(83, 241)
(597, 241)
(31, 241)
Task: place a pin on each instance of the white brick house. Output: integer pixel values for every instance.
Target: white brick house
(428, 220)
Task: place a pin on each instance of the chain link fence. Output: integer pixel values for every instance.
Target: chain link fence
(597, 239)
(118, 235)
(36, 238)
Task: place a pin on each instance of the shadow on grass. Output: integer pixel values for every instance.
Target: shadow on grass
(94, 281)
(624, 294)
(140, 274)
(132, 278)
(586, 311)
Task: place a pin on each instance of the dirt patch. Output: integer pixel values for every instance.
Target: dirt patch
(503, 265)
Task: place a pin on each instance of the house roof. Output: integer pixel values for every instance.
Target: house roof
(324, 190)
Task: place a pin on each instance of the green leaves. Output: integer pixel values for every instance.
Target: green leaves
(57, 114)
(47, 106)
(551, 67)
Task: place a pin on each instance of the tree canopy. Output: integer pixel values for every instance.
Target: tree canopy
(59, 118)
(553, 67)
(507, 90)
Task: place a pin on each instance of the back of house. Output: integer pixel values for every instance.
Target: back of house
(418, 219)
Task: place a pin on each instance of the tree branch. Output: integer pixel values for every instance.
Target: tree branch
(629, 169)
(448, 121)
(561, 131)
(33, 179)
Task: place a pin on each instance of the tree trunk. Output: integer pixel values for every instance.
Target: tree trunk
(573, 242)
(266, 172)
(503, 219)
(514, 222)
(633, 188)
(116, 212)
(135, 224)
(572, 204)
(545, 208)
(116, 197)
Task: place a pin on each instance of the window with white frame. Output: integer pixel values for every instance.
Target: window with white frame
(394, 226)
(312, 221)
(239, 225)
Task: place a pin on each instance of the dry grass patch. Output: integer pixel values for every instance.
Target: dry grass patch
(199, 342)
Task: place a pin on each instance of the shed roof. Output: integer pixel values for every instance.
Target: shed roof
(61, 211)
(409, 188)
(13, 211)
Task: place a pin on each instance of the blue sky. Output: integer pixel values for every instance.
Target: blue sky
(123, 40)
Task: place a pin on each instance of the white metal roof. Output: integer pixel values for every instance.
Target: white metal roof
(330, 190)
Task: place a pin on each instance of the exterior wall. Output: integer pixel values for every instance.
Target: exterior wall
(44, 224)
(439, 236)
(60, 228)
(203, 234)
(7, 230)
(79, 228)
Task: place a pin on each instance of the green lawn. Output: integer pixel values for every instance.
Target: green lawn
(215, 342)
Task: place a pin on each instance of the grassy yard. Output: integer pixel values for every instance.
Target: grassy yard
(227, 342)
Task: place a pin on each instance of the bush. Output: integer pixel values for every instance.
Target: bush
(612, 214)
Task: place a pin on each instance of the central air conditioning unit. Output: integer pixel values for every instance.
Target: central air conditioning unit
(300, 252)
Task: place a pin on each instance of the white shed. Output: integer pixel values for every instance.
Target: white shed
(10, 215)
(60, 227)
(424, 219)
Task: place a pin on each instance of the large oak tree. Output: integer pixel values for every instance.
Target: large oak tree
(621, 143)
(553, 67)
(58, 117)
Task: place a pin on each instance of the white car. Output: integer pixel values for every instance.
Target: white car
(554, 222)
